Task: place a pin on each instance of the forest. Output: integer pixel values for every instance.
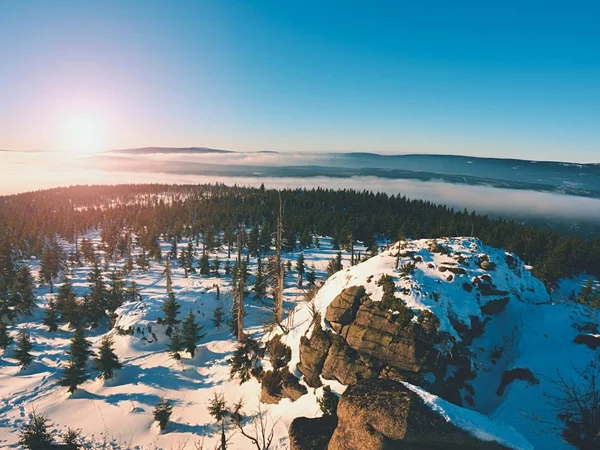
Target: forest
(214, 214)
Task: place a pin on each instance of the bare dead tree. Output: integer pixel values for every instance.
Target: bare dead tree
(577, 406)
(279, 262)
(239, 291)
(263, 427)
(168, 272)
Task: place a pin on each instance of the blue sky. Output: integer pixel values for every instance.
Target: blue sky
(497, 79)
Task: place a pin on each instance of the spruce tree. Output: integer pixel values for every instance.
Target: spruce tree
(132, 292)
(22, 292)
(96, 301)
(107, 362)
(80, 349)
(218, 316)
(50, 317)
(218, 411)
(116, 290)
(66, 303)
(175, 346)
(24, 346)
(162, 413)
(204, 265)
(216, 265)
(311, 277)
(260, 283)
(5, 338)
(190, 333)
(37, 434)
(170, 309)
(73, 375)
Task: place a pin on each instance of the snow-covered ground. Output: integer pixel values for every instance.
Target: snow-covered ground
(120, 411)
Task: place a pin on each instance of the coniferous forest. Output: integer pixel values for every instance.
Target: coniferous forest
(31, 222)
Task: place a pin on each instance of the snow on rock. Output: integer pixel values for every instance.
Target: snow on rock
(479, 425)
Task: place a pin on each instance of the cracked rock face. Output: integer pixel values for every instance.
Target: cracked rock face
(368, 340)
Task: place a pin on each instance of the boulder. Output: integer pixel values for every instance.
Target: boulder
(384, 414)
(311, 434)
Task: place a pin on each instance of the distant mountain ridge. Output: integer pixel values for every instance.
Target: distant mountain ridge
(545, 176)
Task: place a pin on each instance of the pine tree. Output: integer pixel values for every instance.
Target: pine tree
(311, 277)
(132, 292)
(245, 359)
(5, 338)
(66, 303)
(300, 269)
(51, 263)
(115, 295)
(335, 264)
(254, 241)
(170, 309)
(218, 411)
(50, 317)
(191, 334)
(218, 316)
(80, 349)
(24, 346)
(175, 346)
(107, 362)
(260, 284)
(216, 265)
(37, 434)
(204, 265)
(227, 268)
(96, 301)
(73, 376)
(22, 292)
(162, 413)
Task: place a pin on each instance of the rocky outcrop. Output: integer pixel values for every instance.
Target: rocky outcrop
(313, 353)
(371, 341)
(342, 310)
(383, 414)
(311, 434)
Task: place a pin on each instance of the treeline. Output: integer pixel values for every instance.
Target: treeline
(211, 214)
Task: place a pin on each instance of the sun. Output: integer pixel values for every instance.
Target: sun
(83, 134)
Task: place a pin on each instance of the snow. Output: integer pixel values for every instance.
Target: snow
(473, 422)
(119, 411)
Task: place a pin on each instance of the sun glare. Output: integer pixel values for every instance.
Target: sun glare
(83, 134)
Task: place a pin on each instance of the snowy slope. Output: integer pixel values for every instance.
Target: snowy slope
(120, 411)
(535, 331)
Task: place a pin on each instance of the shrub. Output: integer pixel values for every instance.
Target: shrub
(36, 434)
(328, 402)
(162, 413)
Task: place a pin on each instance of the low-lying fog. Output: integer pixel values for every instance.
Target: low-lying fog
(21, 172)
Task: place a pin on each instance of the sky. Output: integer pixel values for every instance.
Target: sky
(502, 79)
